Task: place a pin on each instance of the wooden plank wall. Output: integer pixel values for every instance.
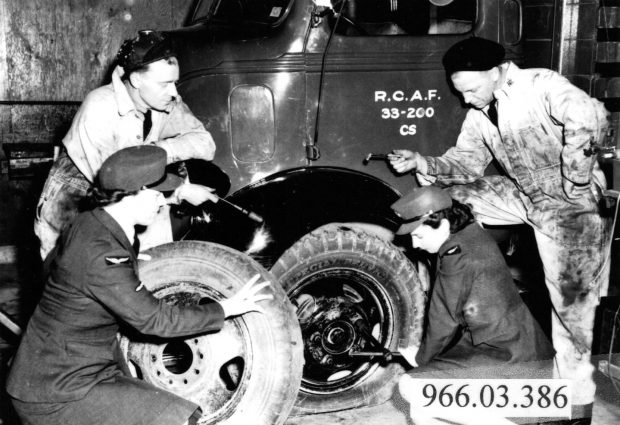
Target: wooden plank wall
(51, 54)
(56, 51)
(59, 50)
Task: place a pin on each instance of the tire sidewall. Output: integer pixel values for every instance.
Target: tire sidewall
(346, 248)
(274, 336)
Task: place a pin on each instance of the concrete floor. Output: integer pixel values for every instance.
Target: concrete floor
(605, 411)
(385, 414)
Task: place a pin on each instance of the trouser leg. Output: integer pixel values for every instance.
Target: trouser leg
(494, 201)
(576, 267)
(574, 306)
(572, 361)
(60, 201)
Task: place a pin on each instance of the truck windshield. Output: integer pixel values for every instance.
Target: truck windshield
(263, 13)
(406, 17)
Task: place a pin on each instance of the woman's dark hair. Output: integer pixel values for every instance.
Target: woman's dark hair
(458, 215)
(97, 197)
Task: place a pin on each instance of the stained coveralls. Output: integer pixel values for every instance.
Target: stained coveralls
(67, 370)
(544, 126)
(106, 122)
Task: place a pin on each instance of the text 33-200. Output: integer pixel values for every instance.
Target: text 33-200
(394, 113)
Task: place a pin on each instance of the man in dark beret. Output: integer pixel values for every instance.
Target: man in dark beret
(540, 128)
(140, 106)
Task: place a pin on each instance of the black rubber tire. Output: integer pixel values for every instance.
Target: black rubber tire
(184, 273)
(340, 253)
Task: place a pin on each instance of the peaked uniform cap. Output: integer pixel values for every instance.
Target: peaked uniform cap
(148, 47)
(473, 54)
(417, 205)
(133, 168)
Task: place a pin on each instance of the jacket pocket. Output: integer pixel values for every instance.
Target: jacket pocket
(580, 223)
(59, 203)
(540, 149)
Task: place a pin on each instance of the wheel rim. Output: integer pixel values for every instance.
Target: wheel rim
(337, 308)
(211, 370)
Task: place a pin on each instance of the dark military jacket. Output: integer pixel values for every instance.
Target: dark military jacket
(476, 315)
(70, 344)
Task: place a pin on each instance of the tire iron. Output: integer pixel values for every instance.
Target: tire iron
(378, 350)
(386, 354)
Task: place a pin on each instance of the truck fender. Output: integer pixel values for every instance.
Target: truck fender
(293, 203)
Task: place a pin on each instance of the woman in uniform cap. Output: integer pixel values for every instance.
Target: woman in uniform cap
(476, 316)
(66, 370)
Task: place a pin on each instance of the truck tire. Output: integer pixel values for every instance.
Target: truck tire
(249, 371)
(346, 284)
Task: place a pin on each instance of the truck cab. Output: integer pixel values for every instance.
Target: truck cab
(297, 94)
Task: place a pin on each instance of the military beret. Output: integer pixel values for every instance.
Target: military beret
(133, 168)
(473, 54)
(149, 46)
(417, 205)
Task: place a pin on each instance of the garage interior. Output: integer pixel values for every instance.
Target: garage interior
(53, 53)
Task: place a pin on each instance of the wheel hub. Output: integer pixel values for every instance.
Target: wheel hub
(206, 369)
(338, 337)
(178, 364)
(332, 331)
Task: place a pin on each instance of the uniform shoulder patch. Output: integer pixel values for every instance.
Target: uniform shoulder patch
(113, 260)
(454, 250)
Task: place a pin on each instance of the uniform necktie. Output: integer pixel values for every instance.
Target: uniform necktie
(136, 244)
(146, 124)
(492, 112)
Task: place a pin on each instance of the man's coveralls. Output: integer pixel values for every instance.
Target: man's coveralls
(106, 122)
(545, 124)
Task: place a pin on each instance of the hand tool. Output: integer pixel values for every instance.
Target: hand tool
(387, 355)
(379, 156)
(252, 215)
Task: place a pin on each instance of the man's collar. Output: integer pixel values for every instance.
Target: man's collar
(123, 100)
(508, 70)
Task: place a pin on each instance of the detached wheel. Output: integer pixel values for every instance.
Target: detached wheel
(249, 372)
(355, 293)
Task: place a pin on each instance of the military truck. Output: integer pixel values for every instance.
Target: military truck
(297, 95)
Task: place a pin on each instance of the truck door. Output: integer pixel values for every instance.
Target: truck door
(383, 85)
(242, 74)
